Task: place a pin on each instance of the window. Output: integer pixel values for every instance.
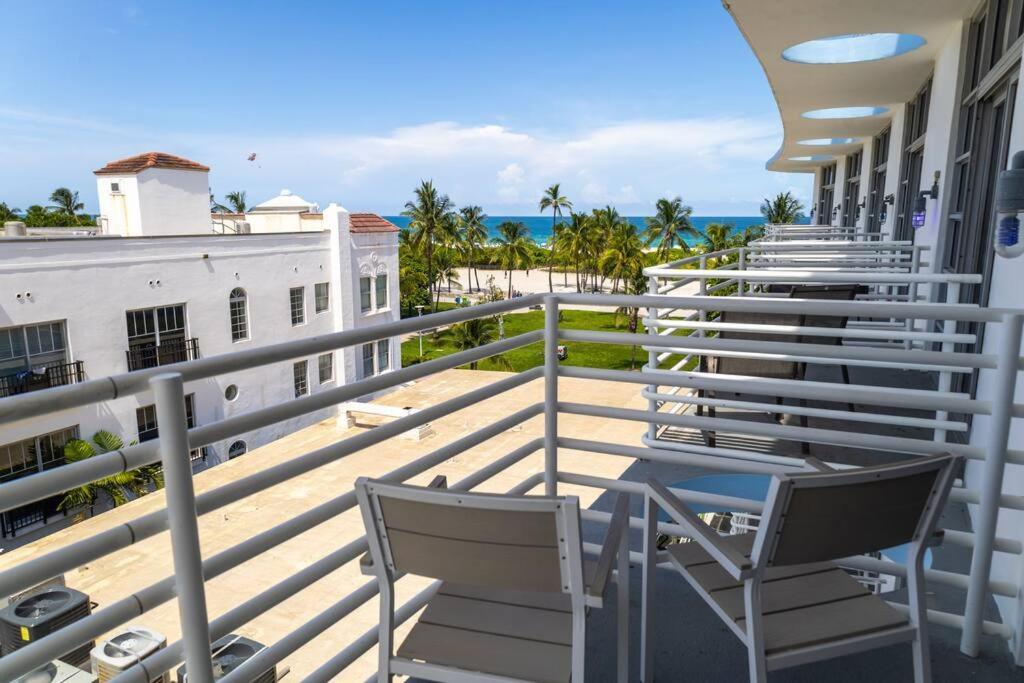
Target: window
(915, 125)
(876, 193)
(383, 355)
(382, 291)
(851, 196)
(32, 346)
(826, 194)
(156, 336)
(115, 188)
(239, 312)
(299, 378)
(39, 453)
(322, 296)
(368, 360)
(298, 301)
(326, 367)
(145, 418)
(231, 392)
(236, 449)
(365, 296)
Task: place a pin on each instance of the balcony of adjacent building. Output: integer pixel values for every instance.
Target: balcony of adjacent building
(762, 364)
(158, 336)
(34, 357)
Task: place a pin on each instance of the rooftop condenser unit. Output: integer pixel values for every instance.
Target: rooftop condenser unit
(57, 672)
(125, 650)
(228, 654)
(37, 616)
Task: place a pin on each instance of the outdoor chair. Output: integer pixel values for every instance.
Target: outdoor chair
(832, 293)
(514, 588)
(723, 363)
(779, 590)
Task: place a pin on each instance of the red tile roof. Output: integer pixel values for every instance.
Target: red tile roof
(141, 162)
(369, 222)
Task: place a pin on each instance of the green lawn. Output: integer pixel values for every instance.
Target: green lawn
(588, 354)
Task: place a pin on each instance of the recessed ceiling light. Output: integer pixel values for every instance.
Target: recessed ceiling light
(813, 157)
(844, 112)
(853, 47)
(828, 141)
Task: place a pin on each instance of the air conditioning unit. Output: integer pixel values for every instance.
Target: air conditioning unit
(57, 672)
(228, 654)
(37, 616)
(125, 650)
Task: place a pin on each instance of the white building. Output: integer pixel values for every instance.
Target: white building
(882, 120)
(161, 286)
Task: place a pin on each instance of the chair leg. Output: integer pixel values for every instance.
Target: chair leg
(579, 643)
(647, 592)
(755, 632)
(919, 617)
(846, 380)
(711, 433)
(622, 609)
(386, 631)
(805, 448)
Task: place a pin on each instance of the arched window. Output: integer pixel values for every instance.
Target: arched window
(236, 449)
(239, 312)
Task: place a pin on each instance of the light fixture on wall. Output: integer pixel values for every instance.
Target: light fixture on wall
(1009, 203)
(921, 203)
(863, 203)
(835, 211)
(887, 201)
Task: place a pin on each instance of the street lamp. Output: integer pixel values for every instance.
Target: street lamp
(419, 314)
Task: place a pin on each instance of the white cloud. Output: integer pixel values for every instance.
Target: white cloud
(709, 160)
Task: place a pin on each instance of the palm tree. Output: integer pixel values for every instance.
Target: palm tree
(445, 272)
(553, 200)
(475, 333)
(121, 487)
(602, 225)
(8, 214)
(430, 215)
(671, 221)
(474, 234)
(65, 201)
(575, 238)
(716, 236)
(634, 283)
(237, 201)
(624, 254)
(513, 247)
(783, 209)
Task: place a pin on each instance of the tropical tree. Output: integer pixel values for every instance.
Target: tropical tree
(430, 215)
(237, 201)
(8, 214)
(475, 333)
(473, 229)
(624, 254)
(65, 201)
(445, 272)
(513, 248)
(603, 224)
(635, 283)
(121, 487)
(783, 209)
(670, 223)
(574, 239)
(555, 202)
(716, 236)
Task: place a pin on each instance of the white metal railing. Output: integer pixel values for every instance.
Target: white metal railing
(192, 570)
(779, 232)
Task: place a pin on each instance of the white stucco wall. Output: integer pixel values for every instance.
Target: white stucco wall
(119, 211)
(174, 202)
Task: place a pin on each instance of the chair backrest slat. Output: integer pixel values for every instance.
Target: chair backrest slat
(757, 367)
(508, 542)
(822, 516)
(831, 292)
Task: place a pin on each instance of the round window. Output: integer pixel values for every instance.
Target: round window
(231, 392)
(236, 449)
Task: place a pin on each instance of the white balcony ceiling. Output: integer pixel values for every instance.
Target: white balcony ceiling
(771, 26)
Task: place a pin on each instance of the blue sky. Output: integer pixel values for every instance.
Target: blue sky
(354, 102)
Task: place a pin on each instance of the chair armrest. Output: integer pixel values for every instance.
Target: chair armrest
(937, 538)
(618, 526)
(817, 465)
(365, 560)
(733, 561)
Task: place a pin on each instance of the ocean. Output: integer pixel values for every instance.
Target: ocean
(540, 226)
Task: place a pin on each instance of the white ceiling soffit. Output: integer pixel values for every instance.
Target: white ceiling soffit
(771, 26)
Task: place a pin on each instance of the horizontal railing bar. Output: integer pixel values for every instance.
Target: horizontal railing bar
(921, 399)
(873, 418)
(865, 278)
(851, 309)
(845, 332)
(28, 574)
(954, 579)
(717, 345)
(895, 444)
(48, 401)
(991, 628)
(783, 464)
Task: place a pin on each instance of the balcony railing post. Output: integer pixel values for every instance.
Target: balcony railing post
(652, 358)
(168, 391)
(991, 485)
(551, 395)
(742, 266)
(945, 376)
